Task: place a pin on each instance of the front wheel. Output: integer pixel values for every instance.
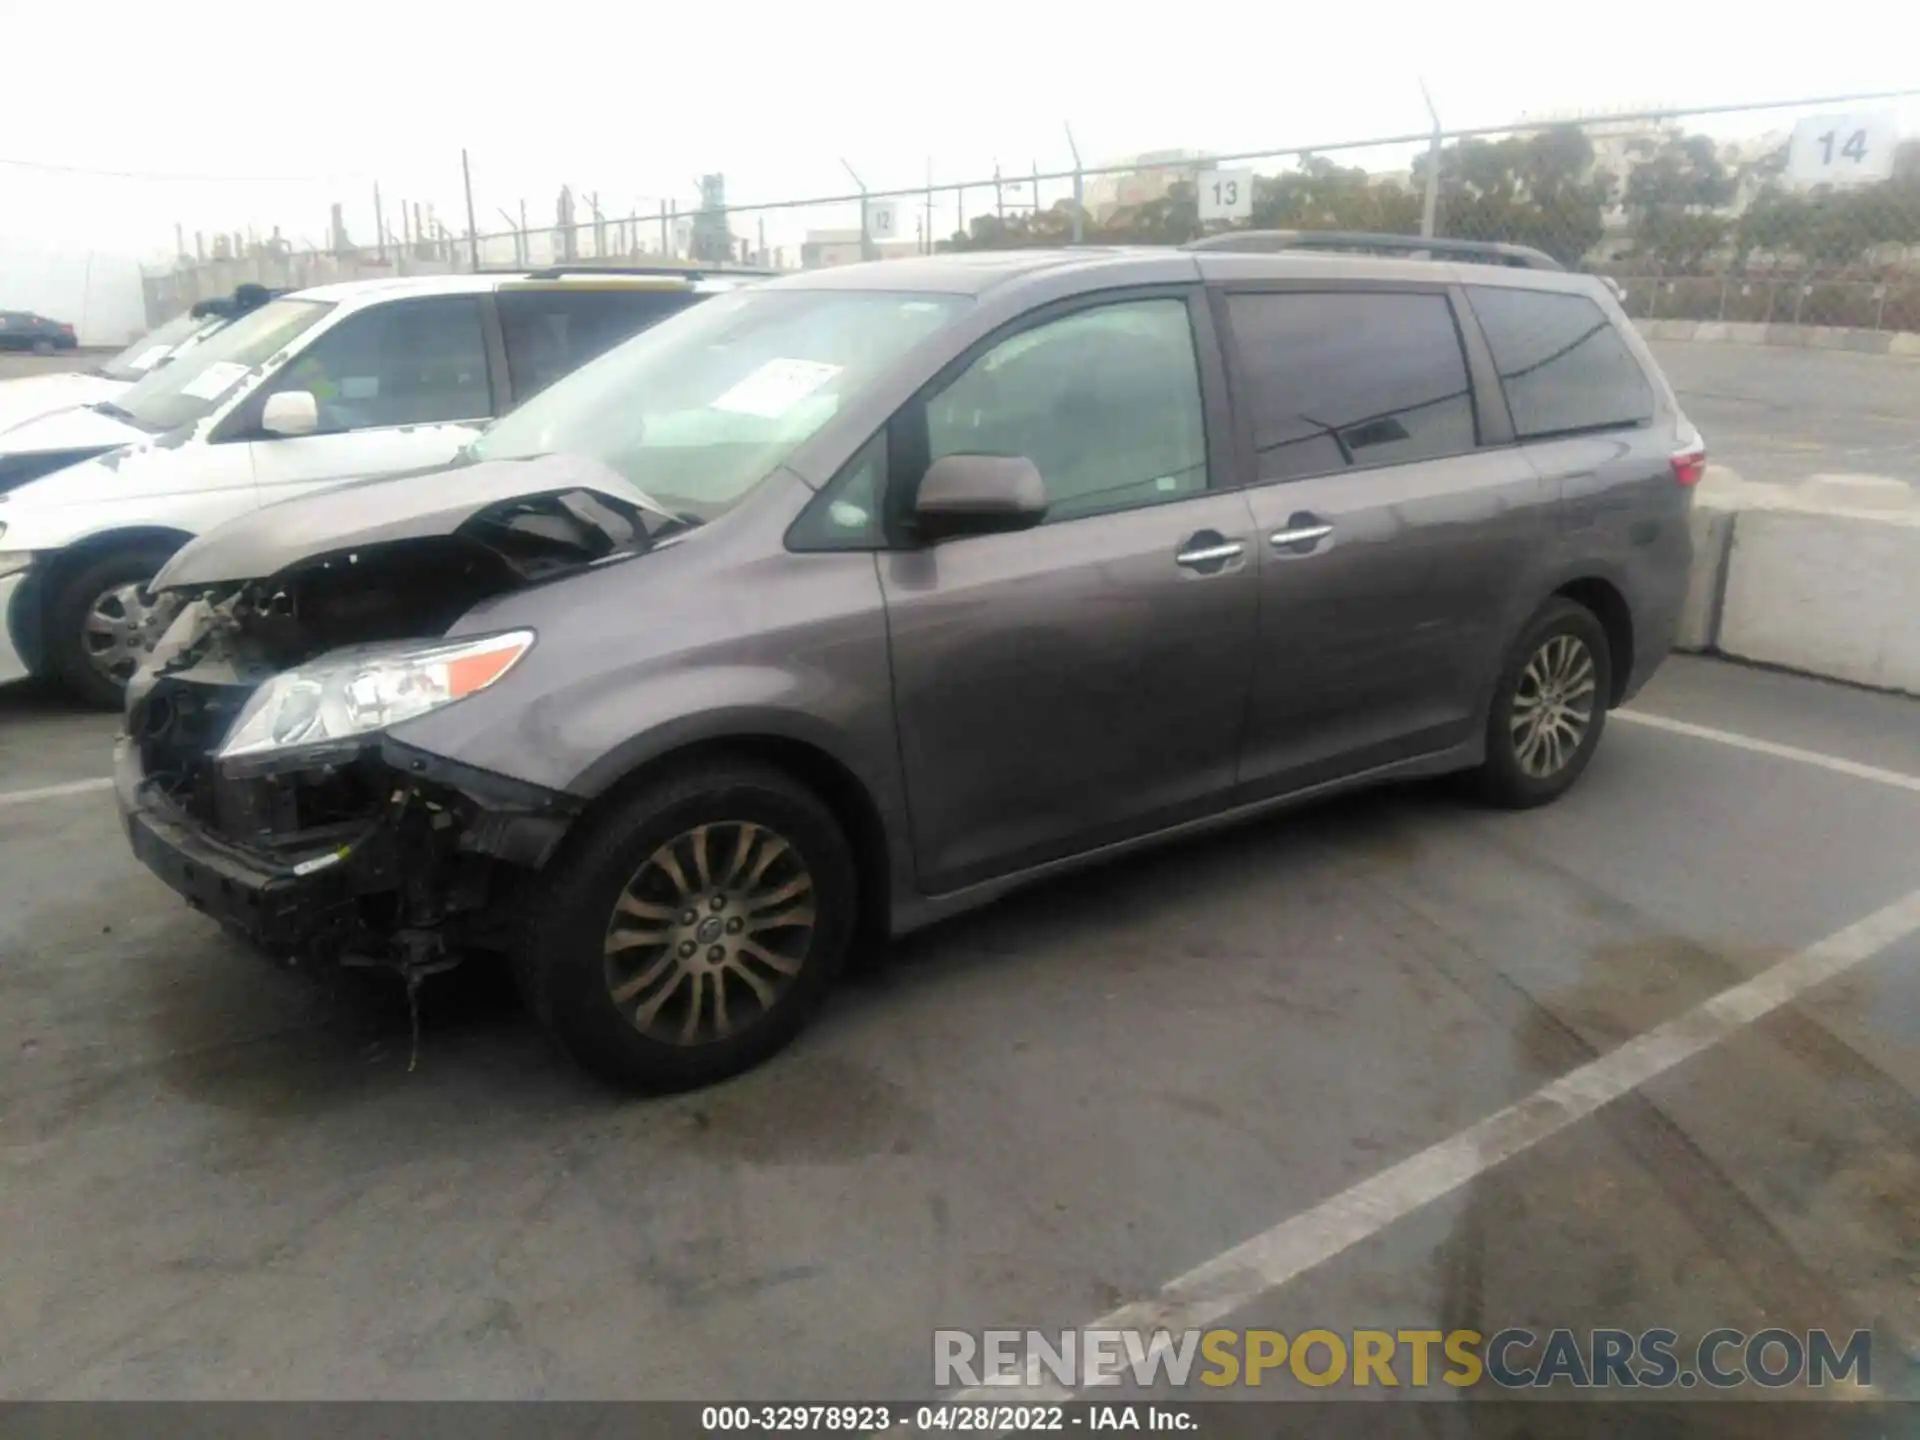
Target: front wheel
(692, 932)
(1549, 708)
(97, 624)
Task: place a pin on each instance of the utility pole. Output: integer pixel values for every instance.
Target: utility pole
(379, 225)
(929, 220)
(866, 237)
(999, 198)
(1079, 188)
(1430, 211)
(473, 226)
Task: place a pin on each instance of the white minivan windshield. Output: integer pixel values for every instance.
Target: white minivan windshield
(704, 406)
(151, 350)
(191, 385)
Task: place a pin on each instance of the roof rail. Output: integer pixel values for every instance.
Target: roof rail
(555, 272)
(1483, 252)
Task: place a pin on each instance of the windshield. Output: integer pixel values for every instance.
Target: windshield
(192, 385)
(151, 350)
(704, 406)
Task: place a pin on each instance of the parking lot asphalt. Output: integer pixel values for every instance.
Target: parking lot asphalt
(15, 364)
(1775, 414)
(1245, 1081)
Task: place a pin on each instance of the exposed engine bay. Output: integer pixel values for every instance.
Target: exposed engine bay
(349, 848)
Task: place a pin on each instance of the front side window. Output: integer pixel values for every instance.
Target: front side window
(700, 409)
(405, 362)
(199, 378)
(1104, 402)
(550, 333)
(1563, 366)
(1339, 381)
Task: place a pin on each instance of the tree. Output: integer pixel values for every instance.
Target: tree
(1827, 226)
(1674, 197)
(1541, 190)
(1323, 196)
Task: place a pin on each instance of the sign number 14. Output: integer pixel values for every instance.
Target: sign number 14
(1854, 147)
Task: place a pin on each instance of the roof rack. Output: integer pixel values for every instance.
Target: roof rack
(1484, 252)
(555, 272)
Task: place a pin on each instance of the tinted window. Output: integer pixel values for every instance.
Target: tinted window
(550, 332)
(1105, 402)
(408, 362)
(1562, 364)
(1339, 381)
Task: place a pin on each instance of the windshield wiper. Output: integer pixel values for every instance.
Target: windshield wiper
(120, 412)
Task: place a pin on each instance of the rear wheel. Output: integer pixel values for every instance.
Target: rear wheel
(43, 347)
(1549, 708)
(693, 931)
(97, 624)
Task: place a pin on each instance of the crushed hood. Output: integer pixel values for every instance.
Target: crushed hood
(506, 506)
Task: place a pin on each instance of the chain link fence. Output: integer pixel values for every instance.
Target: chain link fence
(1701, 215)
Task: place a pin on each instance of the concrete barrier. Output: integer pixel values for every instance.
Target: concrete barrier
(1801, 337)
(1822, 577)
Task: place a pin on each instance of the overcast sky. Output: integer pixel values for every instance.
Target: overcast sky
(224, 116)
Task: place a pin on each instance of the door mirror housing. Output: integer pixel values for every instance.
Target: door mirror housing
(979, 495)
(290, 413)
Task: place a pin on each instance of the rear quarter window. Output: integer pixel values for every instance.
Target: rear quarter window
(1343, 380)
(1564, 367)
(552, 332)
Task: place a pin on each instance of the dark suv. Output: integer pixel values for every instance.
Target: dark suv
(845, 602)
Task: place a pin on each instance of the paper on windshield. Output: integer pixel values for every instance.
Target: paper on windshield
(149, 357)
(214, 381)
(776, 387)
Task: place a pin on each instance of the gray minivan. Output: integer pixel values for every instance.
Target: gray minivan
(848, 601)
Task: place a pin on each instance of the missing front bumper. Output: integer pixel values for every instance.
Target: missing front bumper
(436, 869)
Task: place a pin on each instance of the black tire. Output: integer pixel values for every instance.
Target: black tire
(1505, 778)
(68, 653)
(43, 347)
(562, 966)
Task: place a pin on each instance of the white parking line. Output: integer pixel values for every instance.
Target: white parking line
(1269, 1260)
(52, 792)
(1896, 778)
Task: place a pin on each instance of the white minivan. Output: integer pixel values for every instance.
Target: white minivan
(28, 397)
(339, 382)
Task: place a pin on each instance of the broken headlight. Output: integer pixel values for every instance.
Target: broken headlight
(354, 693)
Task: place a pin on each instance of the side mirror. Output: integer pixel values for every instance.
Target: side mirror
(979, 495)
(290, 413)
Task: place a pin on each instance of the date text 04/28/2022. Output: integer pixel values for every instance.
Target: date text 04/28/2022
(948, 1416)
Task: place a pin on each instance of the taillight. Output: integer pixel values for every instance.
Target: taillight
(1690, 464)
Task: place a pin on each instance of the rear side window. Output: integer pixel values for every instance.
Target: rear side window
(1341, 381)
(1563, 366)
(551, 332)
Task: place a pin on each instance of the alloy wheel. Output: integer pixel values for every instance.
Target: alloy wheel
(116, 632)
(1553, 705)
(710, 933)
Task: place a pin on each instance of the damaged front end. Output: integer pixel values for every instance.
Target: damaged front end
(256, 773)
